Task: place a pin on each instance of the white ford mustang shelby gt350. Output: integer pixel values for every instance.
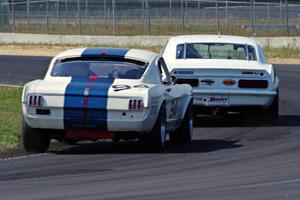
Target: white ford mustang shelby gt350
(106, 93)
(227, 73)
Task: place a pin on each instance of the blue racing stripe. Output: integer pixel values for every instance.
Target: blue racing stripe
(82, 110)
(105, 52)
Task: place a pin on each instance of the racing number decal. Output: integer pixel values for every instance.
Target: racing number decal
(118, 88)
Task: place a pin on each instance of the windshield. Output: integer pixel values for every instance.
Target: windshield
(99, 69)
(215, 51)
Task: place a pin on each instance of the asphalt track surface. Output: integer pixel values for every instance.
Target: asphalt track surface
(229, 159)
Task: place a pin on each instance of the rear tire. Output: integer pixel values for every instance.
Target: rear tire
(69, 141)
(272, 112)
(184, 133)
(34, 140)
(116, 139)
(158, 133)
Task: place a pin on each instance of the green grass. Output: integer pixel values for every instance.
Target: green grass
(10, 117)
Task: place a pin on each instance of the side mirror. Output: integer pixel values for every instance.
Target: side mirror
(166, 81)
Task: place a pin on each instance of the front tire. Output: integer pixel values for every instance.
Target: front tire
(184, 133)
(34, 140)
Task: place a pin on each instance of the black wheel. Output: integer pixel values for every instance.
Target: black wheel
(272, 112)
(70, 141)
(184, 133)
(116, 139)
(34, 140)
(157, 136)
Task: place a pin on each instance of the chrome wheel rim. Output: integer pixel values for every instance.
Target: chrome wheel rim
(162, 133)
(163, 130)
(191, 127)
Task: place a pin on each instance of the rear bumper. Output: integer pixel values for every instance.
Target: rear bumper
(117, 121)
(242, 97)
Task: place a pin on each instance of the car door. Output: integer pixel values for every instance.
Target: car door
(173, 96)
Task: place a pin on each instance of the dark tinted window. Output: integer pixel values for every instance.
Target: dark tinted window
(215, 51)
(100, 69)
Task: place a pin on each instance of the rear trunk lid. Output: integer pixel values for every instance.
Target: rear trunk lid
(221, 74)
(84, 102)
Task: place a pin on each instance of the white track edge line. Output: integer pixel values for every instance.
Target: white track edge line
(8, 85)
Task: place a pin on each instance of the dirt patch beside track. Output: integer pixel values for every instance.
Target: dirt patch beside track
(289, 61)
(32, 50)
(19, 150)
(37, 50)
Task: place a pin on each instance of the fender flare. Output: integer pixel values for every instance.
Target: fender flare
(161, 102)
(187, 101)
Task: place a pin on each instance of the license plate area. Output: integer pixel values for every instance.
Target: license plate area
(217, 100)
(211, 100)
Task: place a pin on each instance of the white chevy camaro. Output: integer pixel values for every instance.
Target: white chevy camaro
(106, 93)
(227, 73)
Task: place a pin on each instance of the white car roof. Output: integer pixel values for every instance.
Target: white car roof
(213, 39)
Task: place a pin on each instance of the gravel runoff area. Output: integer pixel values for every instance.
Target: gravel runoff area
(43, 50)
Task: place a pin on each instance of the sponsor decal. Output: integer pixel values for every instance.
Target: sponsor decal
(249, 73)
(118, 88)
(184, 72)
(213, 99)
(252, 73)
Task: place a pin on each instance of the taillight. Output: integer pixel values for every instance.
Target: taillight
(135, 104)
(34, 100)
(253, 84)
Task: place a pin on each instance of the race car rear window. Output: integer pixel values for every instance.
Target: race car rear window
(215, 51)
(98, 68)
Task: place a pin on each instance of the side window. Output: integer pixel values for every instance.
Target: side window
(251, 52)
(180, 51)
